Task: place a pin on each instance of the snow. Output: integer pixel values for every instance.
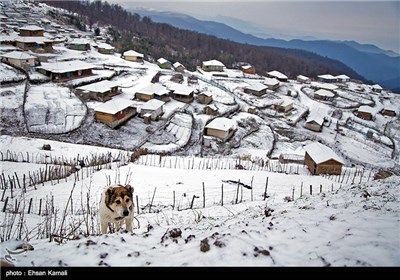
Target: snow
(367, 109)
(102, 86)
(133, 53)
(31, 39)
(31, 28)
(277, 74)
(323, 92)
(53, 109)
(105, 46)
(321, 153)
(256, 87)
(213, 63)
(18, 55)
(153, 104)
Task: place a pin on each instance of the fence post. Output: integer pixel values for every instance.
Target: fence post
(222, 195)
(301, 189)
(204, 196)
(266, 188)
(30, 205)
(251, 185)
(237, 192)
(293, 194)
(320, 188)
(5, 204)
(137, 204)
(151, 203)
(310, 189)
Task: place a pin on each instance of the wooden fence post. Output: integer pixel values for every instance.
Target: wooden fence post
(310, 189)
(222, 195)
(137, 204)
(320, 188)
(266, 189)
(301, 189)
(204, 196)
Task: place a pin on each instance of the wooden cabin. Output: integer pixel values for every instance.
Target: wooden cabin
(115, 112)
(213, 65)
(211, 109)
(366, 113)
(323, 94)
(163, 63)
(327, 78)
(342, 78)
(133, 56)
(389, 111)
(78, 45)
(204, 98)
(284, 106)
(154, 108)
(277, 75)
(315, 122)
(100, 91)
(35, 44)
(19, 59)
(66, 70)
(105, 48)
(222, 128)
(31, 31)
(271, 83)
(257, 89)
(248, 69)
(182, 93)
(303, 79)
(321, 159)
(178, 67)
(151, 91)
(376, 88)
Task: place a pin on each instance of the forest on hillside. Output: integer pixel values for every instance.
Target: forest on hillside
(155, 40)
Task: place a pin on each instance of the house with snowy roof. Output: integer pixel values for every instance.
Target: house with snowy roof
(36, 44)
(303, 79)
(19, 59)
(323, 94)
(78, 45)
(366, 112)
(151, 91)
(31, 31)
(248, 69)
(315, 122)
(154, 108)
(283, 106)
(182, 93)
(222, 128)
(115, 112)
(327, 78)
(388, 111)
(376, 88)
(277, 75)
(204, 98)
(100, 91)
(257, 89)
(213, 65)
(164, 63)
(211, 109)
(342, 78)
(105, 48)
(271, 83)
(321, 159)
(66, 70)
(178, 67)
(132, 55)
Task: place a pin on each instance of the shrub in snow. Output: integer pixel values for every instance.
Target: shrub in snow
(46, 147)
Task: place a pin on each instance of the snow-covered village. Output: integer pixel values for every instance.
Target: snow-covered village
(228, 166)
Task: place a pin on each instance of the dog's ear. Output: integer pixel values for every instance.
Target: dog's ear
(130, 189)
(109, 194)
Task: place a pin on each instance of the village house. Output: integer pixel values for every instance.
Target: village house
(163, 63)
(315, 122)
(19, 59)
(211, 109)
(66, 70)
(248, 69)
(31, 31)
(284, 106)
(257, 89)
(321, 159)
(323, 94)
(182, 93)
(151, 91)
(325, 86)
(366, 113)
(271, 83)
(277, 75)
(327, 78)
(389, 111)
(342, 78)
(115, 112)
(78, 45)
(213, 65)
(105, 48)
(204, 98)
(376, 88)
(222, 128)
(178, 67)
(133, 56)
(35, 44)
(154, 108)
(100, 91)
(303, 79)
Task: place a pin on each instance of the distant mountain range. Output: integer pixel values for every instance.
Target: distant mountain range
(373, 63)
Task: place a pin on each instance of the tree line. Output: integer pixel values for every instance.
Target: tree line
(155, 40)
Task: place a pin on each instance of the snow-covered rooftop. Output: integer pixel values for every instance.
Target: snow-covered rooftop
(316, 117)
(17, 55)
(222, 123)
(66, 66)
(327, 77)
(181, 89)
(102, 86)
(153, 89)
(277, 74)
(79, 42)
(366, 109)
(342, 77)
(324, 92)
(376, 86)
(114, 106)
(256, 86)
(302, 77)
(153, 104)
(177, 64)
(324, 86)
(321, 153)
(271, 81)
(213, 62)
(31, 28)
(162, 60)
(39, 40)
(105, 46)
(133, 53)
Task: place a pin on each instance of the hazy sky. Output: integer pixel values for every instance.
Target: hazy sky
(375, 22)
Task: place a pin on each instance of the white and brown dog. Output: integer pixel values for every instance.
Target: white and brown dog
(116, 207)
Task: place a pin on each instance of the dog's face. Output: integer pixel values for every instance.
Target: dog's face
(119, 200)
